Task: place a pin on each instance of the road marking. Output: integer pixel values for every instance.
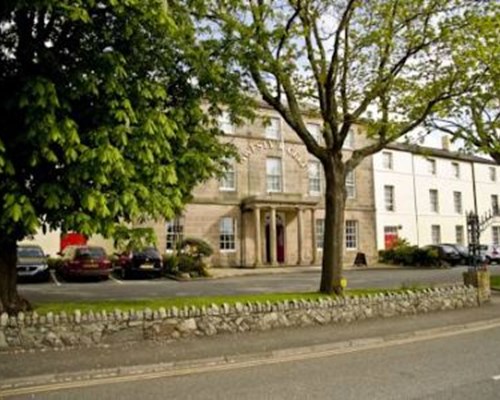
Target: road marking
(54, 278)
(115, 279)
(140, 373)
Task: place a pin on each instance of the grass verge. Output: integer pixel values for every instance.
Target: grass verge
(181, 302)
(495, 282)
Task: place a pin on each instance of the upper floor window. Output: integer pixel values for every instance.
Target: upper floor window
(431, 166)
(273, 129)
(434, 200)
(175, 233)
(493, 174)
(351, 234)
(227, 234)
(457, 202)
(225, 124)
(274, 174)
(349, 139)
(494, 204)
(315, 131)
(228, 180)
(387, 160)
(389, 197)
(314, 177)
(350, 184)
(456, 169)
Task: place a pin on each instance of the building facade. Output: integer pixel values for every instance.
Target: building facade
(268, 209)
(423, 195)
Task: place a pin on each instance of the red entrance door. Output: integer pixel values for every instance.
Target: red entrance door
(280, 239)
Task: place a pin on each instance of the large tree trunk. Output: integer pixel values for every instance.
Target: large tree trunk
(10, 301)
(333, 246)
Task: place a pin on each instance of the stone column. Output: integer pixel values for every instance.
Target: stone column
(258, 247)
(299, 235)
(313, 237)
(272, 235)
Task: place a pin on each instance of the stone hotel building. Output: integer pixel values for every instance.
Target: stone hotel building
(268, 209)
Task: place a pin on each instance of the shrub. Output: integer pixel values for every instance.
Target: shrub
(404, 254)
(170, 264)
(196, 248)
(189, 259)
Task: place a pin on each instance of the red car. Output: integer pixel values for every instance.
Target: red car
(81, 261)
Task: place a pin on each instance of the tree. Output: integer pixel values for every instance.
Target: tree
(474, 117)
(342, 59)
(103, 116)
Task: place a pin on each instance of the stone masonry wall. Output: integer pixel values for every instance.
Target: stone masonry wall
(32, 331)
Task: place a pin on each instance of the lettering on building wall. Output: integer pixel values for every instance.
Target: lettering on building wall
(273, 145)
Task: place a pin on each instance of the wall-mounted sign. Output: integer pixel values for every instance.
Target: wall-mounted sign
(264, 145)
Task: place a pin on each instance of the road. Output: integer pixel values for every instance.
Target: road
(283, 283)
(463, 366)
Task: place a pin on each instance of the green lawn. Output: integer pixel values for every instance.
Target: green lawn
(495, 282)
(181, 302)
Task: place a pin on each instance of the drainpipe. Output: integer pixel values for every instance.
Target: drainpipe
(415, 202)
(474, 189)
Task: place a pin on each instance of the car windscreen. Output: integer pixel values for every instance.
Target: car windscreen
(29, 252)
(149, 252)
(90, 252)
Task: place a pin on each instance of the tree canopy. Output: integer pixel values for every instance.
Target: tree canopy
(103, 116)
(383, 65)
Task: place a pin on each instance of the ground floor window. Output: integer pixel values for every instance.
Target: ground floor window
(320, 233)
(227, 234)
(436, 234)
(175, 232)
(459, 234)
(390, 236)
(495, 235)
(351, 234)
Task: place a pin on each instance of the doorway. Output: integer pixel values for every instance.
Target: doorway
(280, 238)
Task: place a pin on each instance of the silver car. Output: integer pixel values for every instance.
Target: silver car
(32, 262)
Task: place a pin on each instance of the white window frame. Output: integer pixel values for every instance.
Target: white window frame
(493, 174)
(457, 202)
(225, 124)
(350, 140)
(434, 200)
(351, 234)
(387, 160)
(272, 178)
(273, 129)
(227, 182)
(389, 198)
(495, 235)
(320, 233)
(315, 186)
(227, 238)
(459, 234)
(436, 234)
(456, 169)
(494, 204)
(174, 233)
(350, 184)
(432, 166)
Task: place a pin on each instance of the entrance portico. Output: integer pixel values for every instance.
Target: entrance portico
(280, 230)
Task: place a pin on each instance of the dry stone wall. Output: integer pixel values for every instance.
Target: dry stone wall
(32, 331)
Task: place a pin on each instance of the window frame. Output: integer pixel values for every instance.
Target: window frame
(320, 233)
(389, 201)
(351, 234)
(314, 179)
(432, 166)
(273, 178)
(435, 228)
(268, 131)
(460, 208)
(434, 205)
(387, 160)
(177, 234)
(225, 123)
(223, 180)
(227, 240)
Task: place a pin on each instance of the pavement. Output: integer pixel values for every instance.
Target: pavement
(218, 273)
(28, 369)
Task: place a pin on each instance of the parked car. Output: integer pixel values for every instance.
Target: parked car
(32, 262)
(490, 252)
(83, 260)
(146, 262)
(466, 259)
(447, 254)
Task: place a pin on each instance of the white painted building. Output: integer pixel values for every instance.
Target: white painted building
(423, 194)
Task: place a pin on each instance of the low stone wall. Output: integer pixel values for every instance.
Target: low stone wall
(32, 331)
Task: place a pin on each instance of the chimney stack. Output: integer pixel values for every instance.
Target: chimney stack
(445, 142)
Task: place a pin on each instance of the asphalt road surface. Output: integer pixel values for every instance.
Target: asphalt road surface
(460, 367)
(283, 283)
